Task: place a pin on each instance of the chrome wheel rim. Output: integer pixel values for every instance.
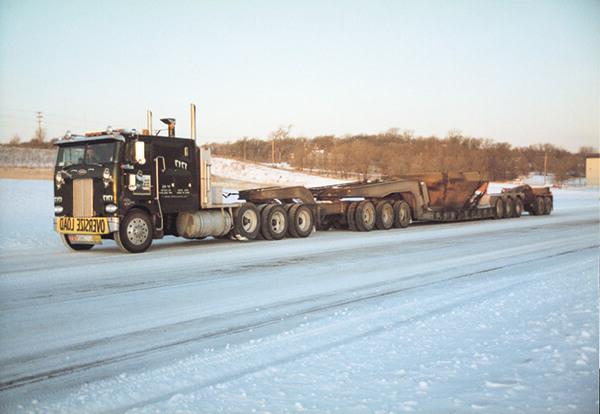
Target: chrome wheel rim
(368, 215)
(303, 221)
(278, 222)
(249, 221)
(137, 231)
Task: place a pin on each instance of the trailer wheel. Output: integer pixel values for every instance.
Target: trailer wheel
(385, 215)
(539, 206)
(518, 207)
(402, 216)
(74, 246)
(135, 232)
(247, 221)
(351, 216)
(548, 205)
(365, 216)
(498, 209)
(509, 208)
(300, 220)
(274, 222)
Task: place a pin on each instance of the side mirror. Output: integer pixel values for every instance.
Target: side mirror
(140, 152)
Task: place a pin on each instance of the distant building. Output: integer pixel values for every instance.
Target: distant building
(592, 170)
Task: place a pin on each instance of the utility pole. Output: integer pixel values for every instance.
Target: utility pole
(545, 166)
(40, 117)
(273, 151)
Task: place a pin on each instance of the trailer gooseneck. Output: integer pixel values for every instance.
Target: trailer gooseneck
(133, 188)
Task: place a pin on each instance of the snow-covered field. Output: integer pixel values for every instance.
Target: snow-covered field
(492, 316)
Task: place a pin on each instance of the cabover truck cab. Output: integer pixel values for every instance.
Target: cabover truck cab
(134, 188)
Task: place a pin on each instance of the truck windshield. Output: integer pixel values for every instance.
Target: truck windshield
(87, 154)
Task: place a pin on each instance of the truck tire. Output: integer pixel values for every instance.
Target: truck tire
(300, 221)
(385, 215)
(135, 232)
(548, 207)
(247, 222)
(402, 215)
(539, 206)
(351, 216)
(518, 207)
(274, 222)
(509, 208)
(499, 209)
(365, 216)
(74, 246)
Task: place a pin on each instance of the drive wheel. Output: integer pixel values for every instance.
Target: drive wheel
(135, 232)
(509, 208)
(274, 223)
(74, 246)
(385, 215)
(350, 216)
(300, 221)
(402, 216)
(247, 222)
(518, 207)
(499, 209)
(548, 207)
(365, 216)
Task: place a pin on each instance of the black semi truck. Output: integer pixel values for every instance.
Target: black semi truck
(135, 187)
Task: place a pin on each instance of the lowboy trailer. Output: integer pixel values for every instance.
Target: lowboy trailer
(133, 188)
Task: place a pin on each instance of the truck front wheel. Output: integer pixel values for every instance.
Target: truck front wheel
(74, 246)
(135, 232)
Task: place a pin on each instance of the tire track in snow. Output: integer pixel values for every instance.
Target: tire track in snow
(231, 365)
(47, 375)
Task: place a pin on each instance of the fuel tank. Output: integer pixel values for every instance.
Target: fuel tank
(200, 224)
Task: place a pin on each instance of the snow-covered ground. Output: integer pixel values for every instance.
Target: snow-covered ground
(492, 316)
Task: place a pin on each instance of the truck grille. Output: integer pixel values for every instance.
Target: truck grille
(83, 197)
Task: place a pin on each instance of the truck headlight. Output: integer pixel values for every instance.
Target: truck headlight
(58, 209)
(59, 180)
(110, 208)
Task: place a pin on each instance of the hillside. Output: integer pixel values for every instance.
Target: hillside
(28, 163)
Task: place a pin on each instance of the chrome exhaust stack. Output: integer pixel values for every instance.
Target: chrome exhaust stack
(193, 122)
(148, 130)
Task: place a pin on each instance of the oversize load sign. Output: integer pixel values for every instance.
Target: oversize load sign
(73, 225)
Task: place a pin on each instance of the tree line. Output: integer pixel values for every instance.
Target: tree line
(393, 153)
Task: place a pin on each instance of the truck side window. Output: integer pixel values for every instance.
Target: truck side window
(128, 154)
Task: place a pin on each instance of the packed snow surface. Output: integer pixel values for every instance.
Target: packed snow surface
(491, 316)
(258, 173)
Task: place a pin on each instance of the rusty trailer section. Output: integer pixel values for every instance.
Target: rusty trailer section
(281, 194)
(396, 202)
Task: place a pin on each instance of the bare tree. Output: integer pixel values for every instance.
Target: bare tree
(15, 140)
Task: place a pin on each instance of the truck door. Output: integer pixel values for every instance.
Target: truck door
(174, 165)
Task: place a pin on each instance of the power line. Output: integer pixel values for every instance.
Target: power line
(40, 117)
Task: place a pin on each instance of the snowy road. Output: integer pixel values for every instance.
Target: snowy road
(486, 316)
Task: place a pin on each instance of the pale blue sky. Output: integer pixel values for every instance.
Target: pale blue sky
(518, 71)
